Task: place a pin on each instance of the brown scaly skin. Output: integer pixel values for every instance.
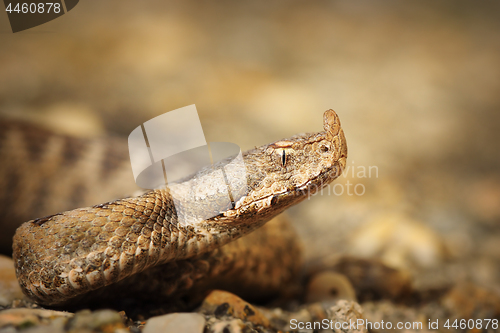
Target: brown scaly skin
(42, 173)
(64, 256)
(260, 266)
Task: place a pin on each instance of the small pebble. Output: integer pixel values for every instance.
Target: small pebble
(100, 320)
(329, 286)
(346, 311)
(224, 304)
(176, 322)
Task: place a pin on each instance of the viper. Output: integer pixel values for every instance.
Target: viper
(146, 245)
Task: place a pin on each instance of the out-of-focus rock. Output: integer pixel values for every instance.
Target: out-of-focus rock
(399, 241)
(176, 322)
(25, 318)
(467, 300)
(281, 319)
(233, 325)
(100, 321)
(346, 312)
(329, 286)
(224, 304)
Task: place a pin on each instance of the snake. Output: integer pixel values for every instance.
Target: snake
(139, 245)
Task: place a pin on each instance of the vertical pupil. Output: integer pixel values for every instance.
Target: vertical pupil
(283, 158)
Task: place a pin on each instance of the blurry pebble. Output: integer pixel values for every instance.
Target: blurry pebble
(100, 320)
(224, 304)
(18, 318)
(467, 300)
(176, 322)
(346, 311)
(329, 286)
(399, 241)
(23, 318)
(216, 325)
(281, 319)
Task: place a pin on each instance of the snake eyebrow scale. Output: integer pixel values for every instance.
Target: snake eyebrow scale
(131, 243)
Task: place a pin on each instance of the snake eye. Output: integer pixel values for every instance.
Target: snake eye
(283, 157)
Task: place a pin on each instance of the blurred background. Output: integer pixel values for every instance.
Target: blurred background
(416, 86)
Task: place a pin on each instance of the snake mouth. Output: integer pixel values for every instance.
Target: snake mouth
(308, 188)
(320, 180)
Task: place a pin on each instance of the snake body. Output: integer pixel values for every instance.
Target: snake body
(44, 172)
(66, 256)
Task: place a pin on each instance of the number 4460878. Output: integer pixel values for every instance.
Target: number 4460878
(33, 8)
(472, 324)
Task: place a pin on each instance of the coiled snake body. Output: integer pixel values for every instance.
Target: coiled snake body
(139, 242)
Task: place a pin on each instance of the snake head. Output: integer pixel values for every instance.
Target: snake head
(287, 171)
